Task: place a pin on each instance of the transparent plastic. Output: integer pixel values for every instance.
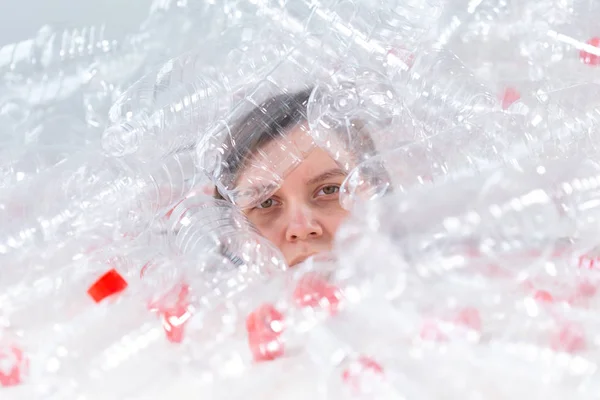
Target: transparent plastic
(54, 65)
(468, 266)
(53, 47)
(178, 101)
(393, 171)
(380, 34)
(26, 165)
(91, 198)
(483, 143)
(54, 296)
(253, 139)
(442, 93)
(353, 115)
(201, 224)
(151, 332)
(522, 211)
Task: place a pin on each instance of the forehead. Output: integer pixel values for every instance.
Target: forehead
(292, 158)
(275, 160)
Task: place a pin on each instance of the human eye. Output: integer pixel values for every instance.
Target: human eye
(328, 190)
(267, 204)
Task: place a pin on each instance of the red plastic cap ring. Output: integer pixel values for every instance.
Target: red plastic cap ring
(592, 59)
(107, 285)
(264, 327)
(13, 366)
(510, 96)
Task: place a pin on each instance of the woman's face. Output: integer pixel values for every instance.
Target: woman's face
(303, 215)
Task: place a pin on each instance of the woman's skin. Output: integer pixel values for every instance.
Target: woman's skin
(303, 215)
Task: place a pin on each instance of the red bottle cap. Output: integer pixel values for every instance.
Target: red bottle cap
(13, 366)
(314, 291)
(174, 321)
(264, 326)
(266, 319)
(469, 317)
(108, 284)
(543, 296)
(173, 310)
(509, 96)
(589, 58)
(431, 331)
(570, 338)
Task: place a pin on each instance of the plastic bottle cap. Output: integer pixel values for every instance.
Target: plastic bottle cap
(108, 284)
(586, 289)
(509, 96)
(314, 291)
(265, 348)
(264, 326)
(570, 338)
(430, 331)
(176, 315)
(543, 296)
(174, 321)
(407, 57)
(470, 318)
(13, 366)
(589, 58)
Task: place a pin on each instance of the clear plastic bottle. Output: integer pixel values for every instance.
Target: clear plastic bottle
(398, 170)
(54, 65)
(92, 198)
(170, 107)
(24, 52)
(55, 295)
(501, 215)
(442, 93)
(170, 29)
(177, 25)
(54, 47)
(479, 145)
(28, 163)
(150, 332)
(511, 328)
(461, 21)
(348, 329)
(564, 46)
(108, 80)
(273, 319)
(200, 223)
(468, 370)
(354, 114)
(568, 119)
(374, 33)
(218, 153)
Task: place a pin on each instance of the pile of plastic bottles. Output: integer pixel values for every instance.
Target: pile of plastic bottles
(467, 268)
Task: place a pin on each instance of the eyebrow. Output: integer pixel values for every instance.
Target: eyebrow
(332, 173)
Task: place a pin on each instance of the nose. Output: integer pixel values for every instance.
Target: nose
(302, 225)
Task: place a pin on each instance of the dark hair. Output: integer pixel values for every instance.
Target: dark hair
(269, 120)
(263, 124)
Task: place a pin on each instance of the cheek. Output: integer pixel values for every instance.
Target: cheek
(268, 227)
(333, 216)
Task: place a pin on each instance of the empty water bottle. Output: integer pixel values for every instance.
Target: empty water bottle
(171, 107)
(105, 198)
